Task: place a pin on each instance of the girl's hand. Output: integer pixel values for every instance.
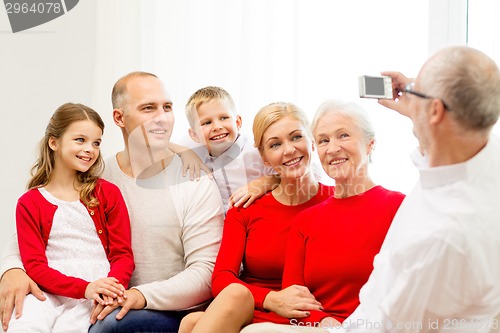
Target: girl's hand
(104, 290)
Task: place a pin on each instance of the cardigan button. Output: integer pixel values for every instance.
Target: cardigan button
(91, 212)
(100, 231)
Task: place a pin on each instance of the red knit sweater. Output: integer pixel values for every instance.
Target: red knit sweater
(34, 215)
(332, 245)
(256, 236)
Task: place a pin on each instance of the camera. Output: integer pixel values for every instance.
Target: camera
(379, 87)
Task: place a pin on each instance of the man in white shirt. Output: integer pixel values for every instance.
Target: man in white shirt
(176, 223)
(439, 267)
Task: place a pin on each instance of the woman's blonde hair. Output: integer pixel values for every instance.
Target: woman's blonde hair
(43, 168)
(273, 112)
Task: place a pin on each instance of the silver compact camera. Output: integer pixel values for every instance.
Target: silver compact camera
(379, 87)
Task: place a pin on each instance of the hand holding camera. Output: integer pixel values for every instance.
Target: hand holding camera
(388, 89)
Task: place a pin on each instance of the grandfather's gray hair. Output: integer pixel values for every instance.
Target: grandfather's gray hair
(468, 81)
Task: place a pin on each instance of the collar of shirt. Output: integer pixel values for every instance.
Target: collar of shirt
(449, 174)
(233, 151)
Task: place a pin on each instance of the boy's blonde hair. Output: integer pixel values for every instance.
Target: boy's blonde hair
(205, 95)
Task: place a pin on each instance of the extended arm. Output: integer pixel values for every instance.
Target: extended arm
(247, 194)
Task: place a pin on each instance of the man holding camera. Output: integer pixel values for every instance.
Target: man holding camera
(438, 267)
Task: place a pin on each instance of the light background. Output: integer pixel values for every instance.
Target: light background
(303, 51)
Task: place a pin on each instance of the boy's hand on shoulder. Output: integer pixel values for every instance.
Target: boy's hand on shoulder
(191, 162)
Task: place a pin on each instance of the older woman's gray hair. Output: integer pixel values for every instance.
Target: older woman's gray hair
(347, 109)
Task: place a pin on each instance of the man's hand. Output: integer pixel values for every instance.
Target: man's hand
(14, 286)
(292, 302)
(133, 299)
(400, 102)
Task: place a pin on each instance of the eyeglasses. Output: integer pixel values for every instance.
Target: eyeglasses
(409, 90)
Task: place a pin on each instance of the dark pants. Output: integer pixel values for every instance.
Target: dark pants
(139, 321)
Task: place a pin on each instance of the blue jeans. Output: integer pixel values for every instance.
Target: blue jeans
(139, 321)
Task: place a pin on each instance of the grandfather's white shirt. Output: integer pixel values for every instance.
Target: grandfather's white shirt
(439, 267)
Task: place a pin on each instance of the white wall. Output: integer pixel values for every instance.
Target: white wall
(40, 69)
(74, 58)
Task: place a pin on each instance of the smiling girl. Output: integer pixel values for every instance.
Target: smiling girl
(73, 227)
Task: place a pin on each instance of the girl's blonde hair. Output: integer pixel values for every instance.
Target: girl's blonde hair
(43, 168)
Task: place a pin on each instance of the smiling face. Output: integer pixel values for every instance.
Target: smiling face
(147, 117)
(78, 148)
(217, 128)
(342, 148)
(287, 148)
